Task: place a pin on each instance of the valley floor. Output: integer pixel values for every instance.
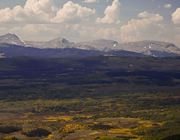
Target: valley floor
(129, 116)
(103, 98)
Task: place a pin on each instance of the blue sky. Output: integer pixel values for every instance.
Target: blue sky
(79, 20)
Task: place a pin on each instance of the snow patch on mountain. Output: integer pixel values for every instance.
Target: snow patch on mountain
(2, 55)
(100, 45)
(55, 43)
(150, 47)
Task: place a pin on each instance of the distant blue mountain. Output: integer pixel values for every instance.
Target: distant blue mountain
(10, 50)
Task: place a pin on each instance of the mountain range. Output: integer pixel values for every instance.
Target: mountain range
(11, 46)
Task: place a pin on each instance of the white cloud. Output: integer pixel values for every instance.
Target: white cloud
(34, 11)
(112, 13)
(168, 6)
(90, 1)
(39, 6)
(150, 16)
(146, 26)
(73, 12)
(5, 15)
(44, 11)
(176, 16)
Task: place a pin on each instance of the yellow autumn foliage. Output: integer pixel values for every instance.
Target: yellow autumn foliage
(9, 138)
(50, 137)
(124, 131)
(69, 128)
(59, 118)
(146, 124)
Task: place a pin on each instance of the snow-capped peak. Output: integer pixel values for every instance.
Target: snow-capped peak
(11, 39)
